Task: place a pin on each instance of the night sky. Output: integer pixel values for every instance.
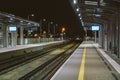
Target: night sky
(58, 11)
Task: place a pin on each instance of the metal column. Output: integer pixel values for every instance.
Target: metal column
(95, 34)
(100, 35)
(5, 36)
(13, 38)
(105, 37)
(118, 32)
(21, 35)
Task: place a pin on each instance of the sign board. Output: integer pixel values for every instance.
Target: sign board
(95, 28)
(12, 28)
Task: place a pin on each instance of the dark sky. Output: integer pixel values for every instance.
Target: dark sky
(59, 11)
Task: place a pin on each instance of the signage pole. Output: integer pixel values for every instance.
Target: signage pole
(95, 36)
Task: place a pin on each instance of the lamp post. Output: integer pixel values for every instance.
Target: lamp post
(63, 32)
(55, 29)
(49, 27)
(29, 16)
(29, 23)
(41, 25)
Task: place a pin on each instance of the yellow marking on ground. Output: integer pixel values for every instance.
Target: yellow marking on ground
(82, 67)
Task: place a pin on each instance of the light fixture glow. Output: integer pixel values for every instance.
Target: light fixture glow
(80, 18)
(21, 21)
(32, 14)
(29, 23)
(79, 14)
(75, 1)
(77, 9)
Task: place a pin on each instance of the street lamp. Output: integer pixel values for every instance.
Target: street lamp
(63, 32)
(29, 30)
(63, 29)
(49, 27)
(30, 15)
(55, 29)
(41, 25)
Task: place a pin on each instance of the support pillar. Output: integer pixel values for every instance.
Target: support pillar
(95, 36)
(105, 37)
(21, 35)
(5, 36)
(13, 39)
(100, 35)
(118, 32)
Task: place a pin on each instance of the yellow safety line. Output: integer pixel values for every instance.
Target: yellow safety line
(82, 67)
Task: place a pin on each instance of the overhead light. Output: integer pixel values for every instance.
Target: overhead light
(56, 24)
(32, 14)
(44, 19)
(11, 15)
(82, 23)
(38, 24)
(91, 2)
(101, 1)
(97, 15)
(75, 1)
(21, 21)
(51, 22)
(80, 18)
(29, 23)
(77, 9)
(11, 19)
(79, 14)
(95, 3)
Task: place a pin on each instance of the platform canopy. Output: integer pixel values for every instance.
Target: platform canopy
(96, 12)
(8, 19)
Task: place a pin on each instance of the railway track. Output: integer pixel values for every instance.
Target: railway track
(46, 71)
(44, 62)
(12, 63)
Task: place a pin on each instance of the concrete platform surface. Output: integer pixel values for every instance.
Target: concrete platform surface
(86, 63)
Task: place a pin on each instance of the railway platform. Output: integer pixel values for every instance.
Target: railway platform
(88, 62)
(18, 47)
(18, 50)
